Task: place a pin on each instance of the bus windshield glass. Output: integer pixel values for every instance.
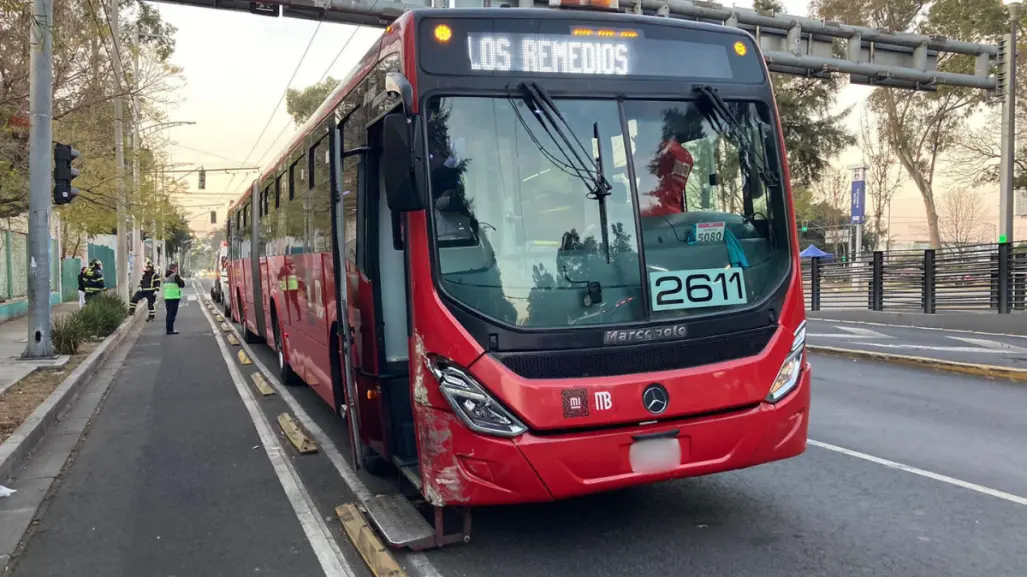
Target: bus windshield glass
(519, 228)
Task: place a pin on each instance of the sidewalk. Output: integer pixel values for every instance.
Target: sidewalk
(14, 339)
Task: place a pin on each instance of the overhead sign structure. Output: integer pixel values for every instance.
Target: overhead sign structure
(791, 44)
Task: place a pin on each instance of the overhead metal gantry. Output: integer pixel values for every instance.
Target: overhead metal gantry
(793, 45)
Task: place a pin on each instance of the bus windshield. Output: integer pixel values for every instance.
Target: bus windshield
(519, 233)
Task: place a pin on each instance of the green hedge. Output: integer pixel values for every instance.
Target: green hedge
(103, 314)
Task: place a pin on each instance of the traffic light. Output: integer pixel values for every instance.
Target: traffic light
(64, 173)
(1004, 62)
(203, 179)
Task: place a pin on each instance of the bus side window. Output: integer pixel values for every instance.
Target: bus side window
(354, 135)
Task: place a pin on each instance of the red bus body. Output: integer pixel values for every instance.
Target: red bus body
(718, 412)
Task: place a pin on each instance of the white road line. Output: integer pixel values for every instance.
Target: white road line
(318, 535)
(815, 321)
(921, 472)
(863, 332)
(989, 344)
(844, 336)
(419, 561)
(940, 348)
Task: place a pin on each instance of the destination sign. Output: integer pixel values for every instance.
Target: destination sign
(544, 47)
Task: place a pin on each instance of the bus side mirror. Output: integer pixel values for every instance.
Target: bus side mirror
(398, 163)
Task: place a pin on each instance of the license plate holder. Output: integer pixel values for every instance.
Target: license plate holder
(654, 455)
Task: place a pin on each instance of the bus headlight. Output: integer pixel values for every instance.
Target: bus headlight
(788, 376)
(471, 402)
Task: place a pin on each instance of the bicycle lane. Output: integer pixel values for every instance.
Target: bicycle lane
(175, 476)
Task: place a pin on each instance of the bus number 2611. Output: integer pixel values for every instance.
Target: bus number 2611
(691, 289)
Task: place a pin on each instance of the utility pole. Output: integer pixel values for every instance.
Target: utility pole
(40, 158)
(137, 237)
(1005, 219)
(119, 156)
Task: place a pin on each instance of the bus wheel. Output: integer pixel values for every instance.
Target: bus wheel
(377, 466)
(285, 373)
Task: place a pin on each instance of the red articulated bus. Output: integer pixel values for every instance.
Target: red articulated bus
(531, 254)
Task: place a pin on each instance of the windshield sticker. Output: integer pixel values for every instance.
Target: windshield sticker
(692, 289)
(709, 232)
(575, 403)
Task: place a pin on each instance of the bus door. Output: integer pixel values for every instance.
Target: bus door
(342, 348)
(363, 285)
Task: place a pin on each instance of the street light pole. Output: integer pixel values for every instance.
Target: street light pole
(137, 237)
(121, 266)
(40, 158)
(1005, 222)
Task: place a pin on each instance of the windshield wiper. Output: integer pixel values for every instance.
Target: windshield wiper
(590, 172)
(717, 111)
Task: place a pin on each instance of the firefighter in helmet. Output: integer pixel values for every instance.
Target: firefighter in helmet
(94, 284)
(148, 287)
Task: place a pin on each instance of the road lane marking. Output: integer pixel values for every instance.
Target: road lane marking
(813, 322)
(989, 344)
(941, 348)
(326, 549)
(418, 561)
(923, 473)
(850, 333)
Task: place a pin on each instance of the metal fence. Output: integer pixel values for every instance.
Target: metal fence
(987, 277)
(14, 265)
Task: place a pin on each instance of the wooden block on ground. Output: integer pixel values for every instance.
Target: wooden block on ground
(297, 437)
(379, 560)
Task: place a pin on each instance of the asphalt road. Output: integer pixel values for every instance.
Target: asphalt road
(173, 453)
(967, 347)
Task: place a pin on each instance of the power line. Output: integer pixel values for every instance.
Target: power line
(352, 34)
(282, 98)
(205, 153)
(117, 44)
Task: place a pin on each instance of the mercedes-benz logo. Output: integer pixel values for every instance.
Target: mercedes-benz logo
(655, 398)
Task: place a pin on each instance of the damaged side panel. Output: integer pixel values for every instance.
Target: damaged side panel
(440, 473)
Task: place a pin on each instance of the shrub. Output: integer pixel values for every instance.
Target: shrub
(103, 314)
(67, 332)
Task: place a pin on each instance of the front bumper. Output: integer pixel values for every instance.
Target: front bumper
(474, 470)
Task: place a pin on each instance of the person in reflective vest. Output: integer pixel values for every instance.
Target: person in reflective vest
(148, 287)
(94, 284)
(173, 285)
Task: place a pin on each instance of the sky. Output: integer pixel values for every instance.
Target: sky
(237, 66)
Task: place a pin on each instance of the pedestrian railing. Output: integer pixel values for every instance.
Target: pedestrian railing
(987, 277)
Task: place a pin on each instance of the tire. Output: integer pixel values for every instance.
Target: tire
(377, 466)
(248, 336)
(286, 375)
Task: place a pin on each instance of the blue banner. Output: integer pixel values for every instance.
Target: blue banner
(859, 195)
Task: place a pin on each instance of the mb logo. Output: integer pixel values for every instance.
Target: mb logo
(604, 401)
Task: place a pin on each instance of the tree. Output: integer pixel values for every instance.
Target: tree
(920, 126)
(978, 151)
(883, 178)
(963, 219)
(84, 86)
(830, 204)
(813, 132)
(301, 104)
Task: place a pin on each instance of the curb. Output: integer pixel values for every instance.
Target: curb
(990, 371)
(25, 438)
